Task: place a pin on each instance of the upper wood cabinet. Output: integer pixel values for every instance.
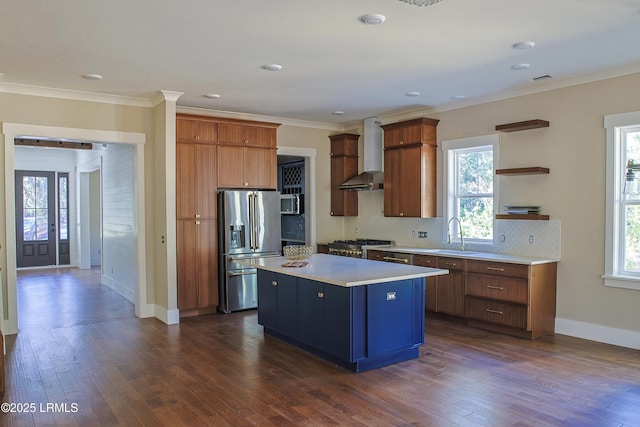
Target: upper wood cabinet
(410, 168)
(416, 131)
(195, 181)
(344, 166)
(247, 167)
(196, 129)
(242, 134)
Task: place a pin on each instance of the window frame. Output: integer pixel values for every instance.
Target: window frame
(616, 125)
(450, 148)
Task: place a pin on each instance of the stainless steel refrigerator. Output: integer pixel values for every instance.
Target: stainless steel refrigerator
(249, 226)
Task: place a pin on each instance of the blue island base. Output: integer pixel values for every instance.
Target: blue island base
(365, 364)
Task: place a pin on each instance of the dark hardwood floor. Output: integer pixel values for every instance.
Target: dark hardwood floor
(81, 348)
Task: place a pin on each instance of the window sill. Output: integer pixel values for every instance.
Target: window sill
(626, 282)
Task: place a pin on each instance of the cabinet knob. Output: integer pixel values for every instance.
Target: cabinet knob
(246, 184)
(246, 141)
(401, 213)
(331, 213)
(274, 283)
(197, 222)
(401, 142)
(320, 294)
(197, 215)
(196, 137)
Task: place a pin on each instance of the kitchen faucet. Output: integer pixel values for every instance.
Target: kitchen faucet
(461, 245)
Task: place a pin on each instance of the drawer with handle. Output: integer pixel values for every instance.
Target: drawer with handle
(455, 264)
(498, 268)
(425, 261)
(499, 288)
(496, 312)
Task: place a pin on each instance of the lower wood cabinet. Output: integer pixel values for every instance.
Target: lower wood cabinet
(517, 299)
(197, 265)
(450, 291)
(512, 298)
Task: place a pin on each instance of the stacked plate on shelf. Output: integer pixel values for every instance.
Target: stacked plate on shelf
(522, 210)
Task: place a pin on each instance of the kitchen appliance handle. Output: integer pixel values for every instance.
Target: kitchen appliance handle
(396, 260)
(242, 273)
(252, 227)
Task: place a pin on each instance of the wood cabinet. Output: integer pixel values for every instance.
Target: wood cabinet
(196, 129)
(451, 287)
(431, 290)
(344, 166)
(247, 167)
(196, 245)
(410, 168)
(252, 134)
(512, 298)
(197, 266)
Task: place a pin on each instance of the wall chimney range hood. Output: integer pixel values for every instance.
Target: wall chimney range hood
(372, 178)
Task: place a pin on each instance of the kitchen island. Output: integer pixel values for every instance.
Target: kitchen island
(356, 313)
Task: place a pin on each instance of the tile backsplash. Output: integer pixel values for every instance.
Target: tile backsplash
(514, 237)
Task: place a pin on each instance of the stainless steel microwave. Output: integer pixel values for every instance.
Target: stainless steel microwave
(291, 204)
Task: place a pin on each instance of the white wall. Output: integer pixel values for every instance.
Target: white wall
(95, 218)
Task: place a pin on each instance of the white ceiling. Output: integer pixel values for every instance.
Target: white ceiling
(331, 61)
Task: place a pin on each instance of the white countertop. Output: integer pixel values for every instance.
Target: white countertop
(470, 254)
(344, 271)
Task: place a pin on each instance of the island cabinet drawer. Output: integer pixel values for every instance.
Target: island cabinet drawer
(496, 312)
(455, 264)
(425, 261)
(498, 268)
(499, 288)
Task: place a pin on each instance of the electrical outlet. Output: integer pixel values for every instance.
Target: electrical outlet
(423, 234)
(356, 230)
(531, 239)
(503, 238)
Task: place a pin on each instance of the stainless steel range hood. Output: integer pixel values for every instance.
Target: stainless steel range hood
(372, 178)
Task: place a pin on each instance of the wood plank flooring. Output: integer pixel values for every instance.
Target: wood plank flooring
(81, 347)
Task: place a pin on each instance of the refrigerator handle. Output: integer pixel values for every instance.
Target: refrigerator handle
(252, 221)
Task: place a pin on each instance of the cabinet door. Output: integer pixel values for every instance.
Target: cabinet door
(207, 259)
(431, 282)
(206, 181)
(311, 324)
(411, 181)
(450, 293)
(392, 182)
(260, 169)
(336, 335)
(231, 167)
(268, 299)
(287, 305)
(186, 193)
(343, 203)
(238, 134)
(195, 130)
(187, 260)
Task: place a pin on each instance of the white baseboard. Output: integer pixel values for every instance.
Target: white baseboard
(118, 287)
(593, 332)
(170, 317)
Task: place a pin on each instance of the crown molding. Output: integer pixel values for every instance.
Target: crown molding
(75, 95)
(165, 95)
(260, 118)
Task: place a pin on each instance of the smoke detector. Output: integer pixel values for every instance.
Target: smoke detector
(372, 19)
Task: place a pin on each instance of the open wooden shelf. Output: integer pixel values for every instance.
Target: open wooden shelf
(526, 125)
(523, 216)
(534, 170)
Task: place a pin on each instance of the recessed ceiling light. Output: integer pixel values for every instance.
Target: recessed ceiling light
(523, 45)
(212, 96)
(92, 76)
(338, 113)
(272, 67)
(372, 19)
(412, 94)
(519, 67)
(458, 97)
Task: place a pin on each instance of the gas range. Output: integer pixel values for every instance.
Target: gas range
(357, 248)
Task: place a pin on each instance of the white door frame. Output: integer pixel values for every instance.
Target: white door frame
(9, 320)
(84, 170)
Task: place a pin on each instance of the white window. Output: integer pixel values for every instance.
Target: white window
(622, 263)
(470, 187)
